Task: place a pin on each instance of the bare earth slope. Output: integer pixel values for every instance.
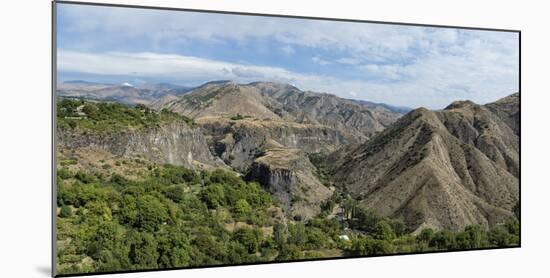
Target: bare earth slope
(444, 169)
(275, 101)
(508, 110)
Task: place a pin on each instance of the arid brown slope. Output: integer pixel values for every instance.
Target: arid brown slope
(476, 125)
(274, 101)
(224, 99)
(359, 119)
(508, 110)
(427, 170)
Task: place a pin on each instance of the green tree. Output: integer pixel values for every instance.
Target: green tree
(499, 236)
(298, 235)
(426, 235)
(174, 249)
(242, 207)
(513, 227)
(249, 238)
(213, 195)
(383, 231)
(442, 240)
(280, 235)
(289, 253)
(359, 246)
(399, 227)
(316, 238)
(379, 247)
(146, 213)
(175, 193)
(477, 236)
(65, 212)
(365, 220)
(91, 111)
(142, 250)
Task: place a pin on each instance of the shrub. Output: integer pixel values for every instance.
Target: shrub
(383, 231)
(65, 212)
(242, 207)
(249, 238)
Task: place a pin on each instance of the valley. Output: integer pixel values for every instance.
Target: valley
(228, 173)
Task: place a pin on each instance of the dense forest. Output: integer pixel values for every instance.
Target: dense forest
(104, 117)
(132, 213)
(176, 217)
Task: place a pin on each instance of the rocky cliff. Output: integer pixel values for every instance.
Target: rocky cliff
(239, 142)
(289, 176)
(508, 109)
(174, 143)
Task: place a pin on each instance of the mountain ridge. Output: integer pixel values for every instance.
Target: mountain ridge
(398, 172)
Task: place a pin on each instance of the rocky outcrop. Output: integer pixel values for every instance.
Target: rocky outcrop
(360, 120)
(174, 143)
(508, 109)
(239, 142)
(476, 125)
(289, 176)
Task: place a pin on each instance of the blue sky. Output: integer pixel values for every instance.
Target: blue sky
(398, 65)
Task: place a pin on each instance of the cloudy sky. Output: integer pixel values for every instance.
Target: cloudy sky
(399, 65)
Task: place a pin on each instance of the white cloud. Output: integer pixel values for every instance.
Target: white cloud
(170, 66)
(348, 61)
(288, 50)
(166, 28)
(320, 61)
(436, 82)
(401, 65)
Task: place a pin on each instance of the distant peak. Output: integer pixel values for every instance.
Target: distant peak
(511, 98)
(272, 85)
(79, 82)
(218, 82)
(418, 113)
(126, 84)
(460, 104)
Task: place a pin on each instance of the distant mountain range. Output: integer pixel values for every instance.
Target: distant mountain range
(125, 93)
(282, 102)
(395, 109)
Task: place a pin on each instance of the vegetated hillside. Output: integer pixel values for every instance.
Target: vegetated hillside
(164, 136)
(443, 170)
(129, 213)
(125, 93)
